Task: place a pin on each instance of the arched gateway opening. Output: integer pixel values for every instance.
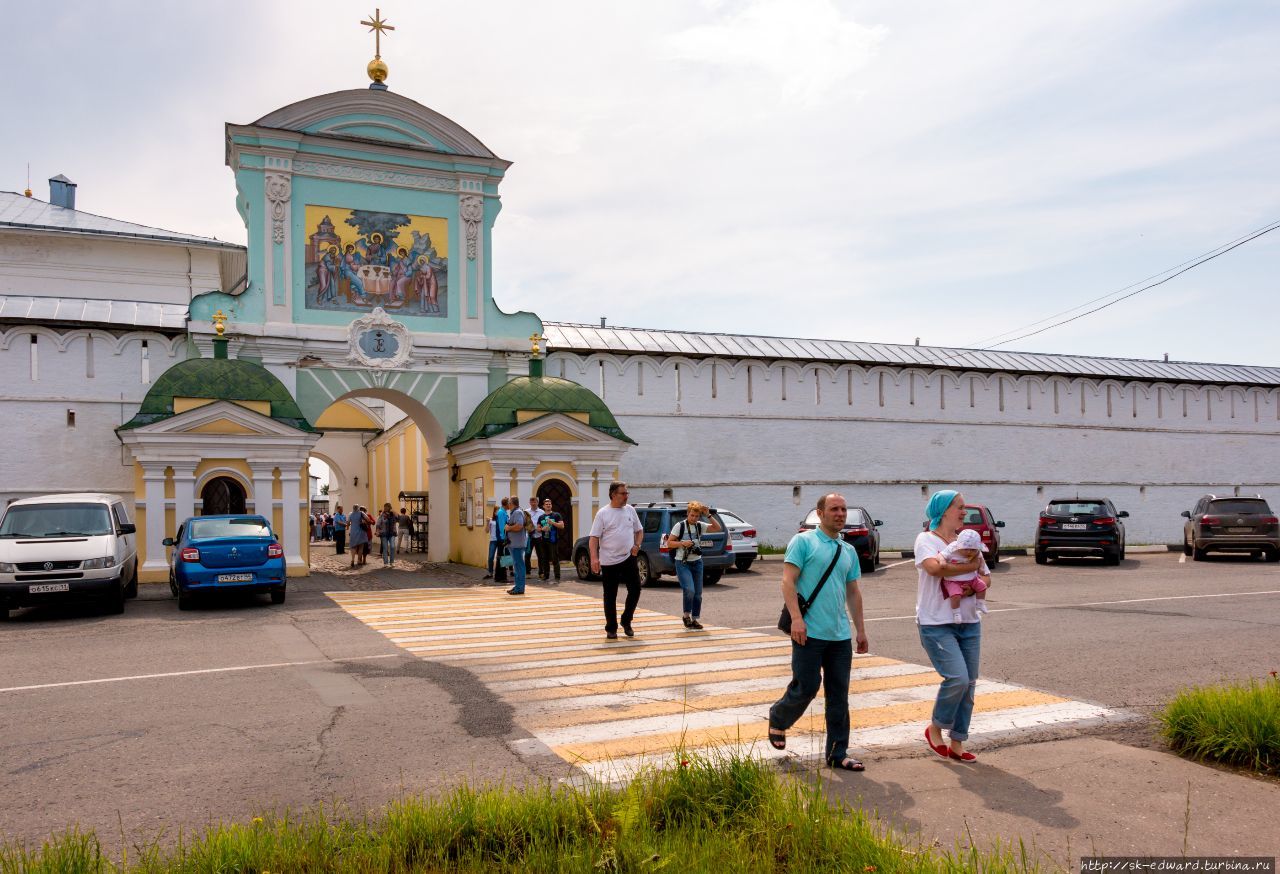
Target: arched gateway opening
(222, 496)
(558, 491)
(379, 445)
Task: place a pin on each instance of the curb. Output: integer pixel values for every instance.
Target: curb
(1022, 550)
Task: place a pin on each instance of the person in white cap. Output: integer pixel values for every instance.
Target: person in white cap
(965, 548)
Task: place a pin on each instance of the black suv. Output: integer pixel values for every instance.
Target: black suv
(1080, 526)
(654, 560)
(1231, 524)
(860, 531)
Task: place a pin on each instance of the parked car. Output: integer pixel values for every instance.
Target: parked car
(67, 548)
(860, 530)
(979, 518)
(225, 553)
(1231, 524)
(655, 559)
(1080, 526)
(743, 536)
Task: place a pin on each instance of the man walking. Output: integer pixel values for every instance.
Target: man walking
(499, 572)
(518, 542)
(404, 522)
(616, 535)
(535, 538)
(551, 524)
(820, 568)
(340, 529)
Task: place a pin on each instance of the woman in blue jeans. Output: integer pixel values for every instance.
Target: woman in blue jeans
(686, 537)
(953, 647)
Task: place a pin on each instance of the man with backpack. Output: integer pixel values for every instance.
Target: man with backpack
(517, 543)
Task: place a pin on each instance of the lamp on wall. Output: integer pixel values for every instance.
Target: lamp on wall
(453, 473)
(355, 480)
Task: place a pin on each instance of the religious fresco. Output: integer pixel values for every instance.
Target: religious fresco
(358, 259)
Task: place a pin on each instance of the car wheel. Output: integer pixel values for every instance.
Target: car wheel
(1272, 555)
(186, 600)
(277, 595)
(1111, 558)
(742, 562)
(712, 577)
(131, 590)
(1198, 554)
(173, 584)
(114, 604)
(866, 565)
(647, 576)
(1186, 546)
(995, 559)
(582, 564)
(1042, 557)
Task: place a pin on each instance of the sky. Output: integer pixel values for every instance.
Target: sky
(876, 171)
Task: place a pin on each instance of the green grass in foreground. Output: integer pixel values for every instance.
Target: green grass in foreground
(1234, 723)
(733, 815)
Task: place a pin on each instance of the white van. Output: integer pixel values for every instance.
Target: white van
(67, 548)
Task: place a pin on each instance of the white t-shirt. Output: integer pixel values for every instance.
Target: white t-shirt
(932, 606)
(534, 515)
(616, 527)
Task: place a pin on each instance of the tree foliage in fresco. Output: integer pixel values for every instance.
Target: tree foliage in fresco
(367, 222)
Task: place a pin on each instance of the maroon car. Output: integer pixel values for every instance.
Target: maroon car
(979, 518)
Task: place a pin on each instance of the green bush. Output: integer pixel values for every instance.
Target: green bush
(1233, 723)
(734, 814)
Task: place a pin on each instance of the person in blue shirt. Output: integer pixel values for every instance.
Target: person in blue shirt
(340, 529)
(499, 572)
(821, 645)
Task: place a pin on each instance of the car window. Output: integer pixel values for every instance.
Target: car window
(1238, 505)
(811, 519)
(56, 520)
(652, 523)
(121, 517)
(973, 516)
(729, 518)
(1080, 508)
(856, 517)
(240, 526)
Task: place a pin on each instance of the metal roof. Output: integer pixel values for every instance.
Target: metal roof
(135, 313)
(569, 337)
(22, 213)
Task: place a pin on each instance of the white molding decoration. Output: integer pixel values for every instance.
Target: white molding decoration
(471, 210)
(278, 190)
(355, 172)
(376, 321)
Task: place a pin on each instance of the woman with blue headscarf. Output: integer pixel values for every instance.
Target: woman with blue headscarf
(953, 647)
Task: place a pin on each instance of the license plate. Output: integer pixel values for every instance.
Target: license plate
(1074, 526)
(41, 588)
(705, 543)
(1240, 530)
(235, 578)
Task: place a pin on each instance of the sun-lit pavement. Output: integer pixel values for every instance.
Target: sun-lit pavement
(612, 706)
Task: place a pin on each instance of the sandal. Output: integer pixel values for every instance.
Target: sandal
(777, 738)
(846, 764)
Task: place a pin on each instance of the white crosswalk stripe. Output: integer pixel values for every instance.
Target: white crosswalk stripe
(610, 707)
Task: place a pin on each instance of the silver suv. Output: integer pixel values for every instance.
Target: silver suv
(1231, 524)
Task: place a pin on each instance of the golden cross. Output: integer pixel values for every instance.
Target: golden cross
(378, 25)
(535, 339)
(219, 322)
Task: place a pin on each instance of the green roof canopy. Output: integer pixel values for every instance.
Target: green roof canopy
(547, 394)
(218, 379)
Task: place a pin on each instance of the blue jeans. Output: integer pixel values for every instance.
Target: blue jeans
(494, 546)
(517, 565)
(825, 664)
(689, 573)
(388, 545)
(954, 650)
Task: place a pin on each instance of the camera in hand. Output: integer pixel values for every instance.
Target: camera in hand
(694, 551)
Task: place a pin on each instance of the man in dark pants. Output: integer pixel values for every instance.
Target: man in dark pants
(340, 529)
(552, 524)
(616, 535)
(821, 645)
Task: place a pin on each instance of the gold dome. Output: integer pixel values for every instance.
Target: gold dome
(378, 70)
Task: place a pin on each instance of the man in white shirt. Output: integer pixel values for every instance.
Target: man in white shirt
(616, 535)
(535, 537)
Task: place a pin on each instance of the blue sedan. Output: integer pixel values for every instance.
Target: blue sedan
(219, 553)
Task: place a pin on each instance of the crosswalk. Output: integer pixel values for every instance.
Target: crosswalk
(610, 707)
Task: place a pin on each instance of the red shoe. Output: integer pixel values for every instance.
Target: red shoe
(942, 749)
(963, 757)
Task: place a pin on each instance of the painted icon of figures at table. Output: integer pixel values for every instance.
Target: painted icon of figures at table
(358, 259)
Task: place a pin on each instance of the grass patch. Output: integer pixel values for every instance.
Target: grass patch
(730, 814)
(1233, 723)
(770, 549)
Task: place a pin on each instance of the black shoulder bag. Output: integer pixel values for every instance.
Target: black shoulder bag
(784, 621)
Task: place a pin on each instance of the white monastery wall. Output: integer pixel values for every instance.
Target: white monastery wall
(767, 438)
(84, 267)
(63, 396)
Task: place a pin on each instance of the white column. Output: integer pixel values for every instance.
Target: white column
(586, 512)
(263, 481)
(438, 509)
(290, 486)
(153, 477)
(184, 490)
(524, 484)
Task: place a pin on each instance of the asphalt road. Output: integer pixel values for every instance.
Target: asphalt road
(163, 720)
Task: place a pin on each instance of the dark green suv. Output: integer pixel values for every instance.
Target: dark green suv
(1231, 524)
(654, 560)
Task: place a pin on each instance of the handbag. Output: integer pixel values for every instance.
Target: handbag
(505, 560)
(784, 621)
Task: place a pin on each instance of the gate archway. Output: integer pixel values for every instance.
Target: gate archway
(562, 502)
(222, 496)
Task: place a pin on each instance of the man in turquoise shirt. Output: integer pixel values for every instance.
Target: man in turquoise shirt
(499, 572)
(821, 645)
